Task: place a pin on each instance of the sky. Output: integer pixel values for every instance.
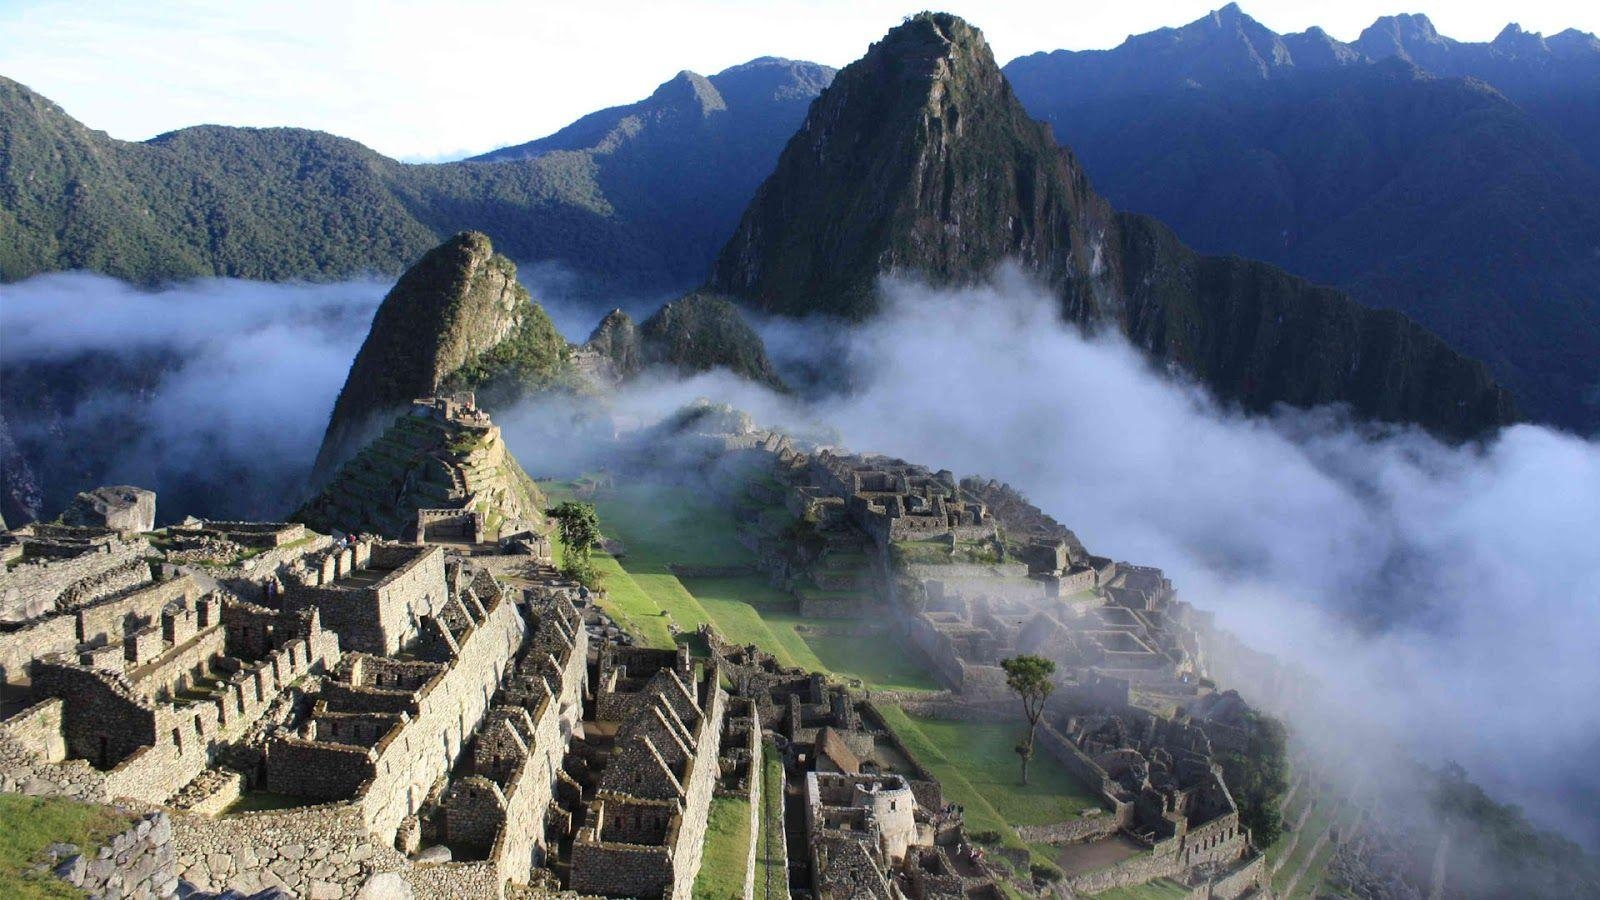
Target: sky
(431, 81)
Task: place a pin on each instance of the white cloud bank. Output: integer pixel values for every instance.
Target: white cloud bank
(1444, 595)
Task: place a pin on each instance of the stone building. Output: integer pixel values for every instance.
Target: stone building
(383, 730)
(380, 597)
(164, 678)
(496, 808)
(644, 831)
(892, 500)
(877, 811)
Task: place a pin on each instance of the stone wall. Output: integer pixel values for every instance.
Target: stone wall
(383, 616)
(521, 843)
(24, 771)
(148, 750)
(137, 863)
(99, 624)
(454, 881)
(620, 868)
(628, 870)
(319, 851)
(427, 748)
(1069, 832)
(698, 789)
(39, 728)
(1160, 862)
(36, 588)
(1237, 883)
(1086, 771)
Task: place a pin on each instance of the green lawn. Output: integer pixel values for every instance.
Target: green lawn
(977, 768)
(879, 661)
(1319, 822)
(33, 823)
(630, 606)
(666, 526)
(988, 759)
(727, 851)
(770, 853)
(1160, 889)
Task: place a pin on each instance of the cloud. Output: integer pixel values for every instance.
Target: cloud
(1441, 595)
(214, 393)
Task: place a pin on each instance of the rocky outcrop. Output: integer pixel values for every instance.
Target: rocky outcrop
(456, 320)
(122, 507)
(692, 334)
(919, 159)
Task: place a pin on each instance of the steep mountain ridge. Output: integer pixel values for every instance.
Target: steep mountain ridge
(456, 320)
(892, 171)
(1437, 196)
(919, 159)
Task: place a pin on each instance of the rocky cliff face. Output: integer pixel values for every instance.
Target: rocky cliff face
(456, 320)
(920, 159)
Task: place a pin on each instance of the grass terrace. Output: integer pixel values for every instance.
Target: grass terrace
(978, 769)
(727, 851)
(1160, 889)
(663, 527)
(770, 852)
(34, 823)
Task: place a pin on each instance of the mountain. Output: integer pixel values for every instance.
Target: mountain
(459, 320)
(692, 334)
(1347, 164)
(919, 158)
(690, 155)
(456, 320)
(1556, 78)
(639, 204)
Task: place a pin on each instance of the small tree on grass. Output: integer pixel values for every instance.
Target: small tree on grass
(1029, 678)
(579, 527)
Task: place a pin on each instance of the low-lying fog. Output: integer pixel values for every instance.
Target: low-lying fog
(214, 393)
(1448, 592)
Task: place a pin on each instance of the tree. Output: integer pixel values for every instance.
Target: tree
(1029, 678)
(1258, 776)
(579, 526)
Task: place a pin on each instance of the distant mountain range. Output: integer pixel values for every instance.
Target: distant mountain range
(637, 198)
(1456, 182)
(919, 159)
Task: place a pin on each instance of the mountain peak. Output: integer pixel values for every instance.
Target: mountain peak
(1398, 36)
(689, 92)
(1515, 40)
(918, 158)
(457, 319)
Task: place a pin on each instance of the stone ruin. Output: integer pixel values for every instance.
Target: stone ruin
(123, 508)
(465, 727)
(638, 821)
(390, 696)
(441, 474)
(969, 573)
